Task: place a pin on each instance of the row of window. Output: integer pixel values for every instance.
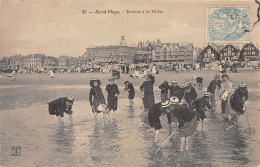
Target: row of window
(249, 48)
(32, 60)
(249, 53)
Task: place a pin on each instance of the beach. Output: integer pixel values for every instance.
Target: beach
(125, 141)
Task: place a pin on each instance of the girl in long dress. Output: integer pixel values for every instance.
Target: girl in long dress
(225, 93)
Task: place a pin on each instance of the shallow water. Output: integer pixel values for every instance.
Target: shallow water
(126, 141)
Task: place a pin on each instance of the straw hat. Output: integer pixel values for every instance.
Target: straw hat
(217, 75)
(174, 81)
(70, 98)
(165, 104)
(95, 79)
(186, 84)
(174, 100)
(111, 79)
(207, 94)
(243, 85)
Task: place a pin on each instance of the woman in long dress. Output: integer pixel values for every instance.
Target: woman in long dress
(148, 94)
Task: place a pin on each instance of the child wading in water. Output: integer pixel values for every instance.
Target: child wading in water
(187, 121)
(154, 117)
(59, 106)
(238, 100)
(112, 97)
(200, 105)
(131, 92)
(96, 98)
(190, 93)
(225, 93)
(164, 90)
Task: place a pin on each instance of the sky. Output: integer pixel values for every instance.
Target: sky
(58, 27)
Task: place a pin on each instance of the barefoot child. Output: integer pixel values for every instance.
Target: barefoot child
(238, 99)
(59, 106)
(112, 97)
(199, 106)
(164, 90)
(190, 93)
(131, 92)
(96, 98)
(187, 121)
(154, 117)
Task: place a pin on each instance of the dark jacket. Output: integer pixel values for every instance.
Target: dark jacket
(155, 110)
(237, 100)
(176, 91)
(183, 114)
(191, 96)
(164, 88)
(112, 90)
(147, 87)
(58, 107)
(97, 93)
(213, 85)
(199, 106)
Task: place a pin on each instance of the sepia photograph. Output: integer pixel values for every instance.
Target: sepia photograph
(130, 83)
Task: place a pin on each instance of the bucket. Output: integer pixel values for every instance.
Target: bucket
(102, 107)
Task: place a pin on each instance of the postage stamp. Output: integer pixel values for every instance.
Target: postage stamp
(227, 24)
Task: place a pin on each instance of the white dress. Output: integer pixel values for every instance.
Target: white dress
(226, 91)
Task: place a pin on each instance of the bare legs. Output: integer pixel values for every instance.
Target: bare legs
(156, 133)
(60, 120)
(131, 103)
(184, 143)
(95, 117)
(70, 117)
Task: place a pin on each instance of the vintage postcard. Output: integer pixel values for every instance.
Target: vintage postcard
(129, 83)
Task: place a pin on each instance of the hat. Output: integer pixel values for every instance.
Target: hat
(95, 79)
(111, 79)
(174, 100)
(174, 81)
(207, 94)
(70, 98)
(243, 85)
(126, 82)
(224, 75)
(186, 84)
(165, 104)
(217, 75)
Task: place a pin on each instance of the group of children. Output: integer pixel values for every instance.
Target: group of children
(182, 107)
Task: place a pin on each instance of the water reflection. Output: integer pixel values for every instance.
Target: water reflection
(105, 144)
(240, 148)
(63, 139)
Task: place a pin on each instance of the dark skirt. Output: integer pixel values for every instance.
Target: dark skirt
(154, 121)
(189, 128)
(148, 100)
(171, 118)
(112, 104)
(131, 95)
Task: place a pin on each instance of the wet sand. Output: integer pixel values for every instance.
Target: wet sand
(127, 141)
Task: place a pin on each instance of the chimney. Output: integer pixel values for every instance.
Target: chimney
(122, 43)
